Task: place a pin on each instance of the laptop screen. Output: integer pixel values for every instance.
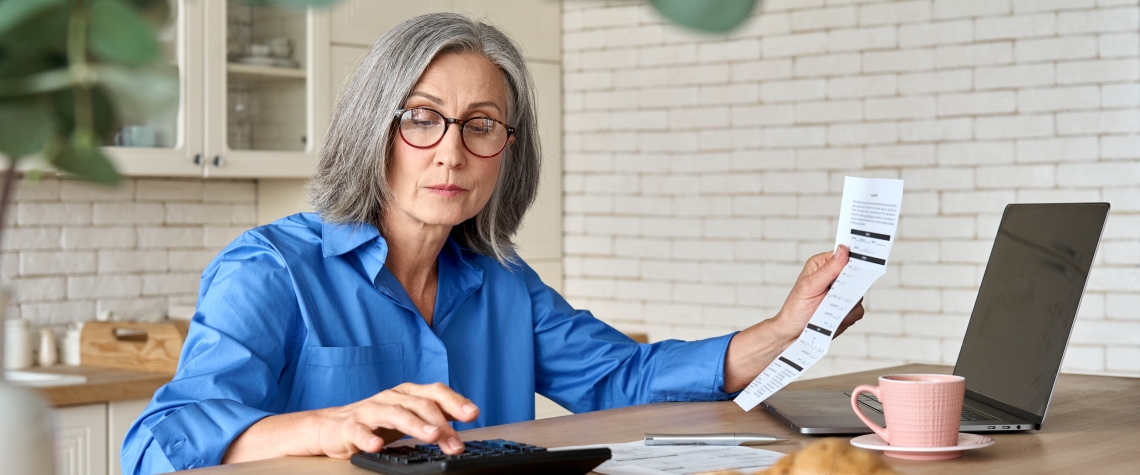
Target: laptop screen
(1028, 300)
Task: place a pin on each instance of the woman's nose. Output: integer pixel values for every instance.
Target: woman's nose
(450, 152)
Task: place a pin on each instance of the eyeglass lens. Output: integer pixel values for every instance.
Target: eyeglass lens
(424, 128)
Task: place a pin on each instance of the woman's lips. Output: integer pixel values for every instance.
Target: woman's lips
(447, 190)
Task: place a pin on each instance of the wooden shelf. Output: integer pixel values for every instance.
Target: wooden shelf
(264, 73)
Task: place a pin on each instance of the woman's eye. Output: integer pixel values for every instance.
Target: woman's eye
(423, 122)
(482, 126)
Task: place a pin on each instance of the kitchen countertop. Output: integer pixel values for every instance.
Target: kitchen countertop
(103, 385)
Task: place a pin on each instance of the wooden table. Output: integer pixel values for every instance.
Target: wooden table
(1093, 426)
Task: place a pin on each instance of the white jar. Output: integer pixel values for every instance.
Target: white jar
(49, 355)
(17, 343)
(69, 351)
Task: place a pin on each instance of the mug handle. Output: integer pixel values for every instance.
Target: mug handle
(884, 433)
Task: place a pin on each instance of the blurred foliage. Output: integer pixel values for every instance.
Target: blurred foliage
(713, 16)
(70, 70)
(73, 71)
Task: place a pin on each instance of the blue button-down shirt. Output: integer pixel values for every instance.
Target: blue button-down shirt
(302, 314)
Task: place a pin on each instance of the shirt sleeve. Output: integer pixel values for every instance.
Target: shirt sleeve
(230, 368)
(585, 365)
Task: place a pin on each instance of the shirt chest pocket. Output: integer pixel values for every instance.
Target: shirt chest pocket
(335, 376)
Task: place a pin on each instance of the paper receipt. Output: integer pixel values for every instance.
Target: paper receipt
(868, 217)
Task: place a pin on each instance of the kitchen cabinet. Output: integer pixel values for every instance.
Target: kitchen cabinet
(120, 416)
(90, 436)
(254, 94)
(81, 440)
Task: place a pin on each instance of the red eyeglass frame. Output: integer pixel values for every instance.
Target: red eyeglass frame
(447, 121)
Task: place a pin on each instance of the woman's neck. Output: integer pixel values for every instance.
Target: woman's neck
(413, 250)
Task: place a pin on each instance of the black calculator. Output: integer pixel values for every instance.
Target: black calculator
(482, 457)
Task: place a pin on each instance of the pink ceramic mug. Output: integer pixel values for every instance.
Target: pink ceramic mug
(921, 410)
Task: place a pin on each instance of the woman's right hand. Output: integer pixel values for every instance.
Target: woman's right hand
(421, 411)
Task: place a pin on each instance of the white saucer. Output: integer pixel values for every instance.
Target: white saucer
(965, 442)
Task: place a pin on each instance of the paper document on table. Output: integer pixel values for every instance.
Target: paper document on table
(868, 217)
(634, 458)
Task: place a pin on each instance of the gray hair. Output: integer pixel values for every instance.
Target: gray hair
(350, 185)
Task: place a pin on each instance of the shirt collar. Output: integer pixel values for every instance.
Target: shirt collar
(362, 239)
(459, 275)
(337, 239)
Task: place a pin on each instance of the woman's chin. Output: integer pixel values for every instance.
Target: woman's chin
(443, 218)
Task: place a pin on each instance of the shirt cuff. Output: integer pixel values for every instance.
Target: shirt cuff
(693, 371)
(197, 435)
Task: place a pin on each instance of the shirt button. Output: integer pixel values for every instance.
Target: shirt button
(178, 443)
(194, 464)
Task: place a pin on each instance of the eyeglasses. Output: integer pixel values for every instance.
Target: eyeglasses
(424, 128)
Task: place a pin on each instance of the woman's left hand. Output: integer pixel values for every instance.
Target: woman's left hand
(753, 349)
(807, 294)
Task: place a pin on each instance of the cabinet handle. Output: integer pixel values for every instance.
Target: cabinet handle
(198, 159)
(218, 161)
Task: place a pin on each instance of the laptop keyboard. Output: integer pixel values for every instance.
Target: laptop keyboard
(871, 402)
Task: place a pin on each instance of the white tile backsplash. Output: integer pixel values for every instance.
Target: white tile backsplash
(76, 248)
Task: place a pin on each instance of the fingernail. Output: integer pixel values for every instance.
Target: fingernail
(375, 441)
(469, 408)
(455, 444)
(430, 429)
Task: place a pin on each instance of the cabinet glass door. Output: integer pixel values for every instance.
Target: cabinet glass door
(262, 89)
(265, 77)
(168, 144)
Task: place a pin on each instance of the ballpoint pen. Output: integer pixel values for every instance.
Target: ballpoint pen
(726, 438)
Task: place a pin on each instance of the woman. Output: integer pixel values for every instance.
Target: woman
(401, 305)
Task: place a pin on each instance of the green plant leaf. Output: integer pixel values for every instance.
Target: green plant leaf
(44, 33)
(119, 33)
(155, 12)
(140, 93)
(25, 126)
(83, 158)
(14, 12)
(714, 16)
(102, 113)
(46, 81)
(19, 66)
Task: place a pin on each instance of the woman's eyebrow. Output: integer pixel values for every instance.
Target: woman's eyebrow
(476, 105)
(438, 101)
(427, 96)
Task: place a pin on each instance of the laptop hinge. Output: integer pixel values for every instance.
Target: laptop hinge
(1014, 411)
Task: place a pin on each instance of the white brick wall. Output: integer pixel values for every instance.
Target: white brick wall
(74, 249)
(701, 170)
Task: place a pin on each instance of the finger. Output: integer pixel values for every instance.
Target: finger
(453, 405)
(832, 267)
(437, 428)
(395, 417)
(363, 438)
(853, 316)
(815, 262)
(426, 409)
(407, 421)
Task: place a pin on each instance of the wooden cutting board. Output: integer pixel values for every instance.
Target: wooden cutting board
(128, 345)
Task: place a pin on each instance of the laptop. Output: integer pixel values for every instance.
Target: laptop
(1013, 347)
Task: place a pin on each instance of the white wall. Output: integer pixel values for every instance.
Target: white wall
(702, 170)
(73, 249)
